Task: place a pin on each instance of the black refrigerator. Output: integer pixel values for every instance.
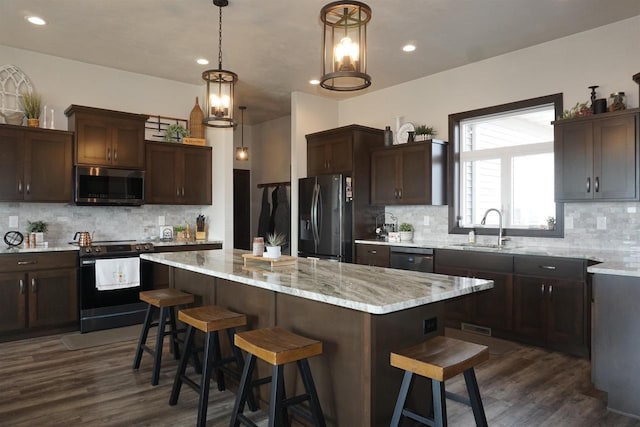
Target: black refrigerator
(325, 222)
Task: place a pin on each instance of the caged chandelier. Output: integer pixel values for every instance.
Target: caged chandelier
(220, 87)
(344, 46)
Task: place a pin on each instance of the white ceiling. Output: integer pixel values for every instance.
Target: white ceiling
(274, 46)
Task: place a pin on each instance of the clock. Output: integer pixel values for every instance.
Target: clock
(13, 238)
(403, 132)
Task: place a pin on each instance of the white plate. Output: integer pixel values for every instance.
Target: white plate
(403, 132)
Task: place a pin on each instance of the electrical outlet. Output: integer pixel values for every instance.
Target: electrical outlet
(568, 223)
(430, 325)
(161, 220)
(631, 209)
(13, 221)
(601, 223)
(426, 220)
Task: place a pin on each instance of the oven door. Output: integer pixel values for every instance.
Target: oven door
(105, 309)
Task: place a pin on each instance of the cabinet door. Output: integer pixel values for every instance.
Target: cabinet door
(11, 164)
(53, 297)
(340, 154)
(163, 178)
(493, 307)
(529, 311)
(13, 288)
(374, 255)
(93, 141)
(614, 144)
(127, 143)
(48, 167)
(573, 153)
(316, 158)
(197, 181)
(385, 165)
(459, 309)
(566, 312)
(415, 175)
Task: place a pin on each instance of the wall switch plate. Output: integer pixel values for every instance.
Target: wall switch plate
(601, 223)
(426, 220)
(13, 221)
(161, 220)
(631, 209)
(568, 223)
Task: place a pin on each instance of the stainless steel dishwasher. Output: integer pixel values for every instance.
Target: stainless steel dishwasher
(409, 258)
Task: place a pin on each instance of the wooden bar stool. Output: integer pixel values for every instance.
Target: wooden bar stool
(278, 347)
(439, 359)
(210, 320)
(163, 300)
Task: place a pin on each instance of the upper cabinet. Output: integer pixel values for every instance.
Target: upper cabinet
(178, 174)
(409, 174)
(596, 157)
(35, 164)
(107, 138)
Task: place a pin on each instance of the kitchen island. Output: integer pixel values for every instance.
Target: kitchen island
(360, 313)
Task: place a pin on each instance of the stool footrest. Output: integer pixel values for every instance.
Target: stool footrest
(246, 421)
(417, 417)
(295, 400)
(457, 398)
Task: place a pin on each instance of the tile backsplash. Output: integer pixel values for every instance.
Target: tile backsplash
(622, 226)
(107, 222)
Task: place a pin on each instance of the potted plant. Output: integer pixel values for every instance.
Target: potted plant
(175, 132)
(424, 132)
(551, 223)
(406, 232)
(31, 104)
(39, 228)
(179, 232)
(273, 245)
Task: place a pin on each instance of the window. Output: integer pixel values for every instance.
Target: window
(503, 159)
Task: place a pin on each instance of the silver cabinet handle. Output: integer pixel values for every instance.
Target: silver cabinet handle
(550, 290)
(183, 191)
(20, 186)
(547, 267)
(115, 155)
(597, 184)
(108, 153)
(400, 193)
(589, 185)
(178, 191)
(28, 188)
(34, 285)
(542, 289)
(21, 287)
(373, 252)
(27, 262)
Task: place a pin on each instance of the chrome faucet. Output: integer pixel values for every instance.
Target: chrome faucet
(484, 220)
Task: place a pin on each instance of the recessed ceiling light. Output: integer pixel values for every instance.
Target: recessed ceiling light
(409, 48)
(35, 20)
(314, 81)
(202, 61)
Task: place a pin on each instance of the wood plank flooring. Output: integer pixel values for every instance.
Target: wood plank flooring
(44, 384)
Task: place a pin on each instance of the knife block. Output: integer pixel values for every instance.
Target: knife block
(201, 235)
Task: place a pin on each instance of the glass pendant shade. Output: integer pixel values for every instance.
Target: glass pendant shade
(242, 152)
(344, 46)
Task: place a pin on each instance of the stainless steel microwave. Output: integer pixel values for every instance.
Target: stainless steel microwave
(108, 186)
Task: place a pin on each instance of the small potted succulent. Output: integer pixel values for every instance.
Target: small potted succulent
(39, 228)
(31, 104)
(179, 232)
(274, 245)
(406, 232)
(551, 223)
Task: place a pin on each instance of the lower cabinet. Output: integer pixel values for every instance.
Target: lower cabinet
(40, 293)
(374, 255)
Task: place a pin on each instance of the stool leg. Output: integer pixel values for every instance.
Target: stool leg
(402, 397)
(217, 356)
(277, 413)
(182, 367)
(209, 351)
(143, 336)
(175, 347)
(243, 389)
(251, 400)
(310, 388)
(157, 357)
(439, 403)
(474, 397)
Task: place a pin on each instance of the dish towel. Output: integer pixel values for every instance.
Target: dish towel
(117, 273)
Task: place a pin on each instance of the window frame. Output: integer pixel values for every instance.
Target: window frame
(453, 182)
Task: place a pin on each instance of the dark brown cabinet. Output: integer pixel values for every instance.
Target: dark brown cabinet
(409, 174)
(35, 164)
(38, 292)
(107, 138)
(330, 154)
(596, 157)
(375, 255)
(178, 174)
(551, 300)
(491, 308)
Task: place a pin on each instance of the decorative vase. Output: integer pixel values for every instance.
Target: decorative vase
(411, 138)
(273, 252)
(406, 236)
(196, 129)
(33, 123)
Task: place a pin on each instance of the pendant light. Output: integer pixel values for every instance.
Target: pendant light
(220, 87)
(242, 152)
(344, 46)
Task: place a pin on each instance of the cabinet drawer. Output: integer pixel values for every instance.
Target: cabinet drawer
(553, 267)
(377, 255)
(474, 260)
(38, 261)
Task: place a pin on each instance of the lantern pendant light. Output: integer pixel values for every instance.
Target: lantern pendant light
(344, 46)
(242, 152)
(220, 87)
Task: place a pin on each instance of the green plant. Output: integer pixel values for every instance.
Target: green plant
(405, 226)
(426, 130)
(276, 239)
(175, 132)
(179, 228)
(581, 109)
(37, 227)
(31, 104)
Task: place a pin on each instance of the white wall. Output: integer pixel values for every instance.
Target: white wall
(63, 82)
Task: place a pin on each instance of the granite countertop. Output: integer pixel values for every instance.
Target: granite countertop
(616, 262)
(373, 290)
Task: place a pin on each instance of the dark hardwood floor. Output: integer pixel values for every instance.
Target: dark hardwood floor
(44, 384)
